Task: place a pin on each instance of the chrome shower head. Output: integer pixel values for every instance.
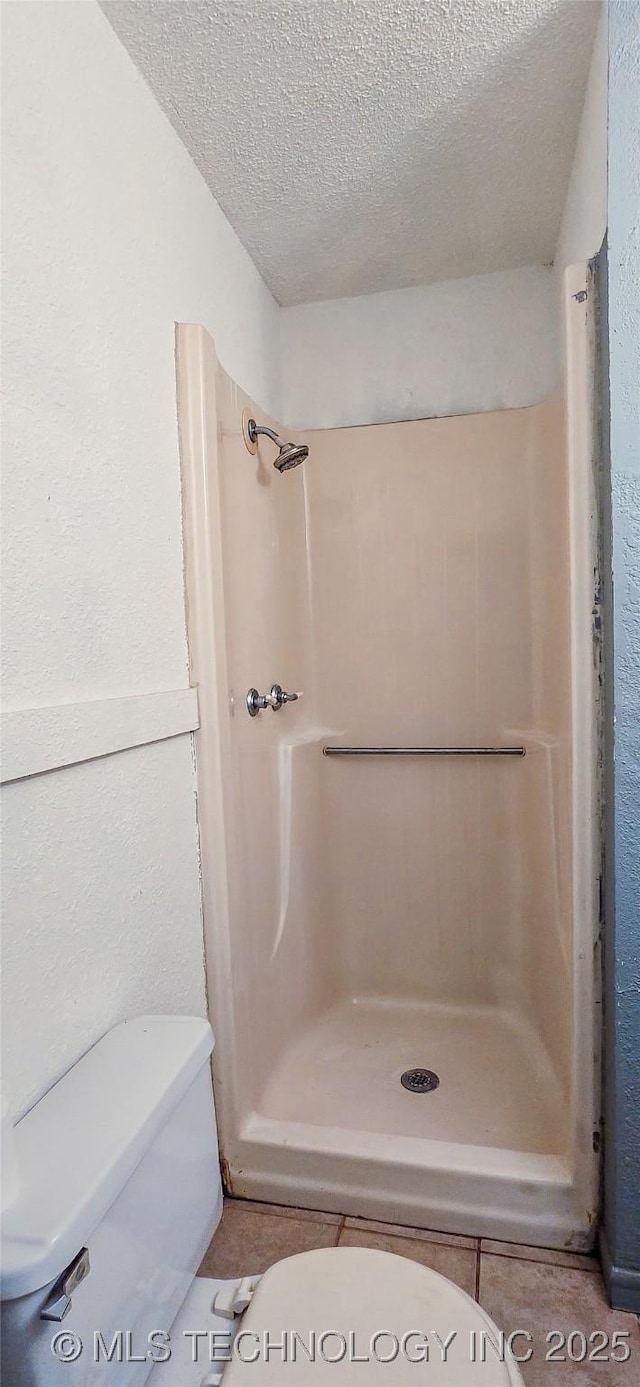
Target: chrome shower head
(289, 454)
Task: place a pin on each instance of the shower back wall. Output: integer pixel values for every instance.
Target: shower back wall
(439, 563)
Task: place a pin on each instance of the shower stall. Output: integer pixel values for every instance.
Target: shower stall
(401, 867)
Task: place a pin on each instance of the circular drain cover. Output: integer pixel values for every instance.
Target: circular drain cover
(419, 1080)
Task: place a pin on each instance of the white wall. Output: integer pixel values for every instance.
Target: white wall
(110, 236)
(584, 219)
(461, 346)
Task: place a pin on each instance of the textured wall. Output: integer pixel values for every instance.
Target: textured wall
(110, 235)
(467, 345)
(623, 983)
(584, 219)
(101, 906)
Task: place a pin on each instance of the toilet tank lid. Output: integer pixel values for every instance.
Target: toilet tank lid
(78, 1146)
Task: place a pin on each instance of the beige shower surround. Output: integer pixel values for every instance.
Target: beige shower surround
(425, 582)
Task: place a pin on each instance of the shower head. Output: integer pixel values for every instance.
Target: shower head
(289, 454)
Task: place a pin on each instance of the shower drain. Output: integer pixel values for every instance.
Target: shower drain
(419, 1080)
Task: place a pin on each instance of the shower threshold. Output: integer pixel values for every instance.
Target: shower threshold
(483, 1153)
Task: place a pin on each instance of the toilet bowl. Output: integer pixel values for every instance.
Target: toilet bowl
(119, 1197)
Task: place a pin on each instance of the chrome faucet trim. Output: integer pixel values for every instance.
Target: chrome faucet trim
(256, 702)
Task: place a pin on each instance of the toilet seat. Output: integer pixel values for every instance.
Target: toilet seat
(348, 1304)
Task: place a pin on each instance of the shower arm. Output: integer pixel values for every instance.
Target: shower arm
(254, 429)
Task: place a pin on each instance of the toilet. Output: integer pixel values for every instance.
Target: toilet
(119, 1196)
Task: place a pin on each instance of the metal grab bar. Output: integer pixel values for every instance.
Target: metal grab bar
(423, 751)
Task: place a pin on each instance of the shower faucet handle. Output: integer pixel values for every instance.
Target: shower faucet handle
(279, 696)
(256, 701)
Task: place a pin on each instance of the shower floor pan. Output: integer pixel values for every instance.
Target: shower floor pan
(483, 1153)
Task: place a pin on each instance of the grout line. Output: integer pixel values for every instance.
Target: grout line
(407, 1233)
(477, 1285)
(590, 1262)
(269, 1210)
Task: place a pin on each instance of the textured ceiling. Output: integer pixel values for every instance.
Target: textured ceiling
(358, 145)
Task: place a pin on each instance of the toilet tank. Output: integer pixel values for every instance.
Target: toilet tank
(120, 1157)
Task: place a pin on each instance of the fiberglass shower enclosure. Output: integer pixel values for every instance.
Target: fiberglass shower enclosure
(425, 584)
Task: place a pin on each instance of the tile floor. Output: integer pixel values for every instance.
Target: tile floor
(525, 1288)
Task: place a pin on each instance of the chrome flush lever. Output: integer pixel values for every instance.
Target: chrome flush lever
(58, 1302)
(256, 702)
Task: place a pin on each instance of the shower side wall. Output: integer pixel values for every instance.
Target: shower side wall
(544, 806)
(247, 605)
